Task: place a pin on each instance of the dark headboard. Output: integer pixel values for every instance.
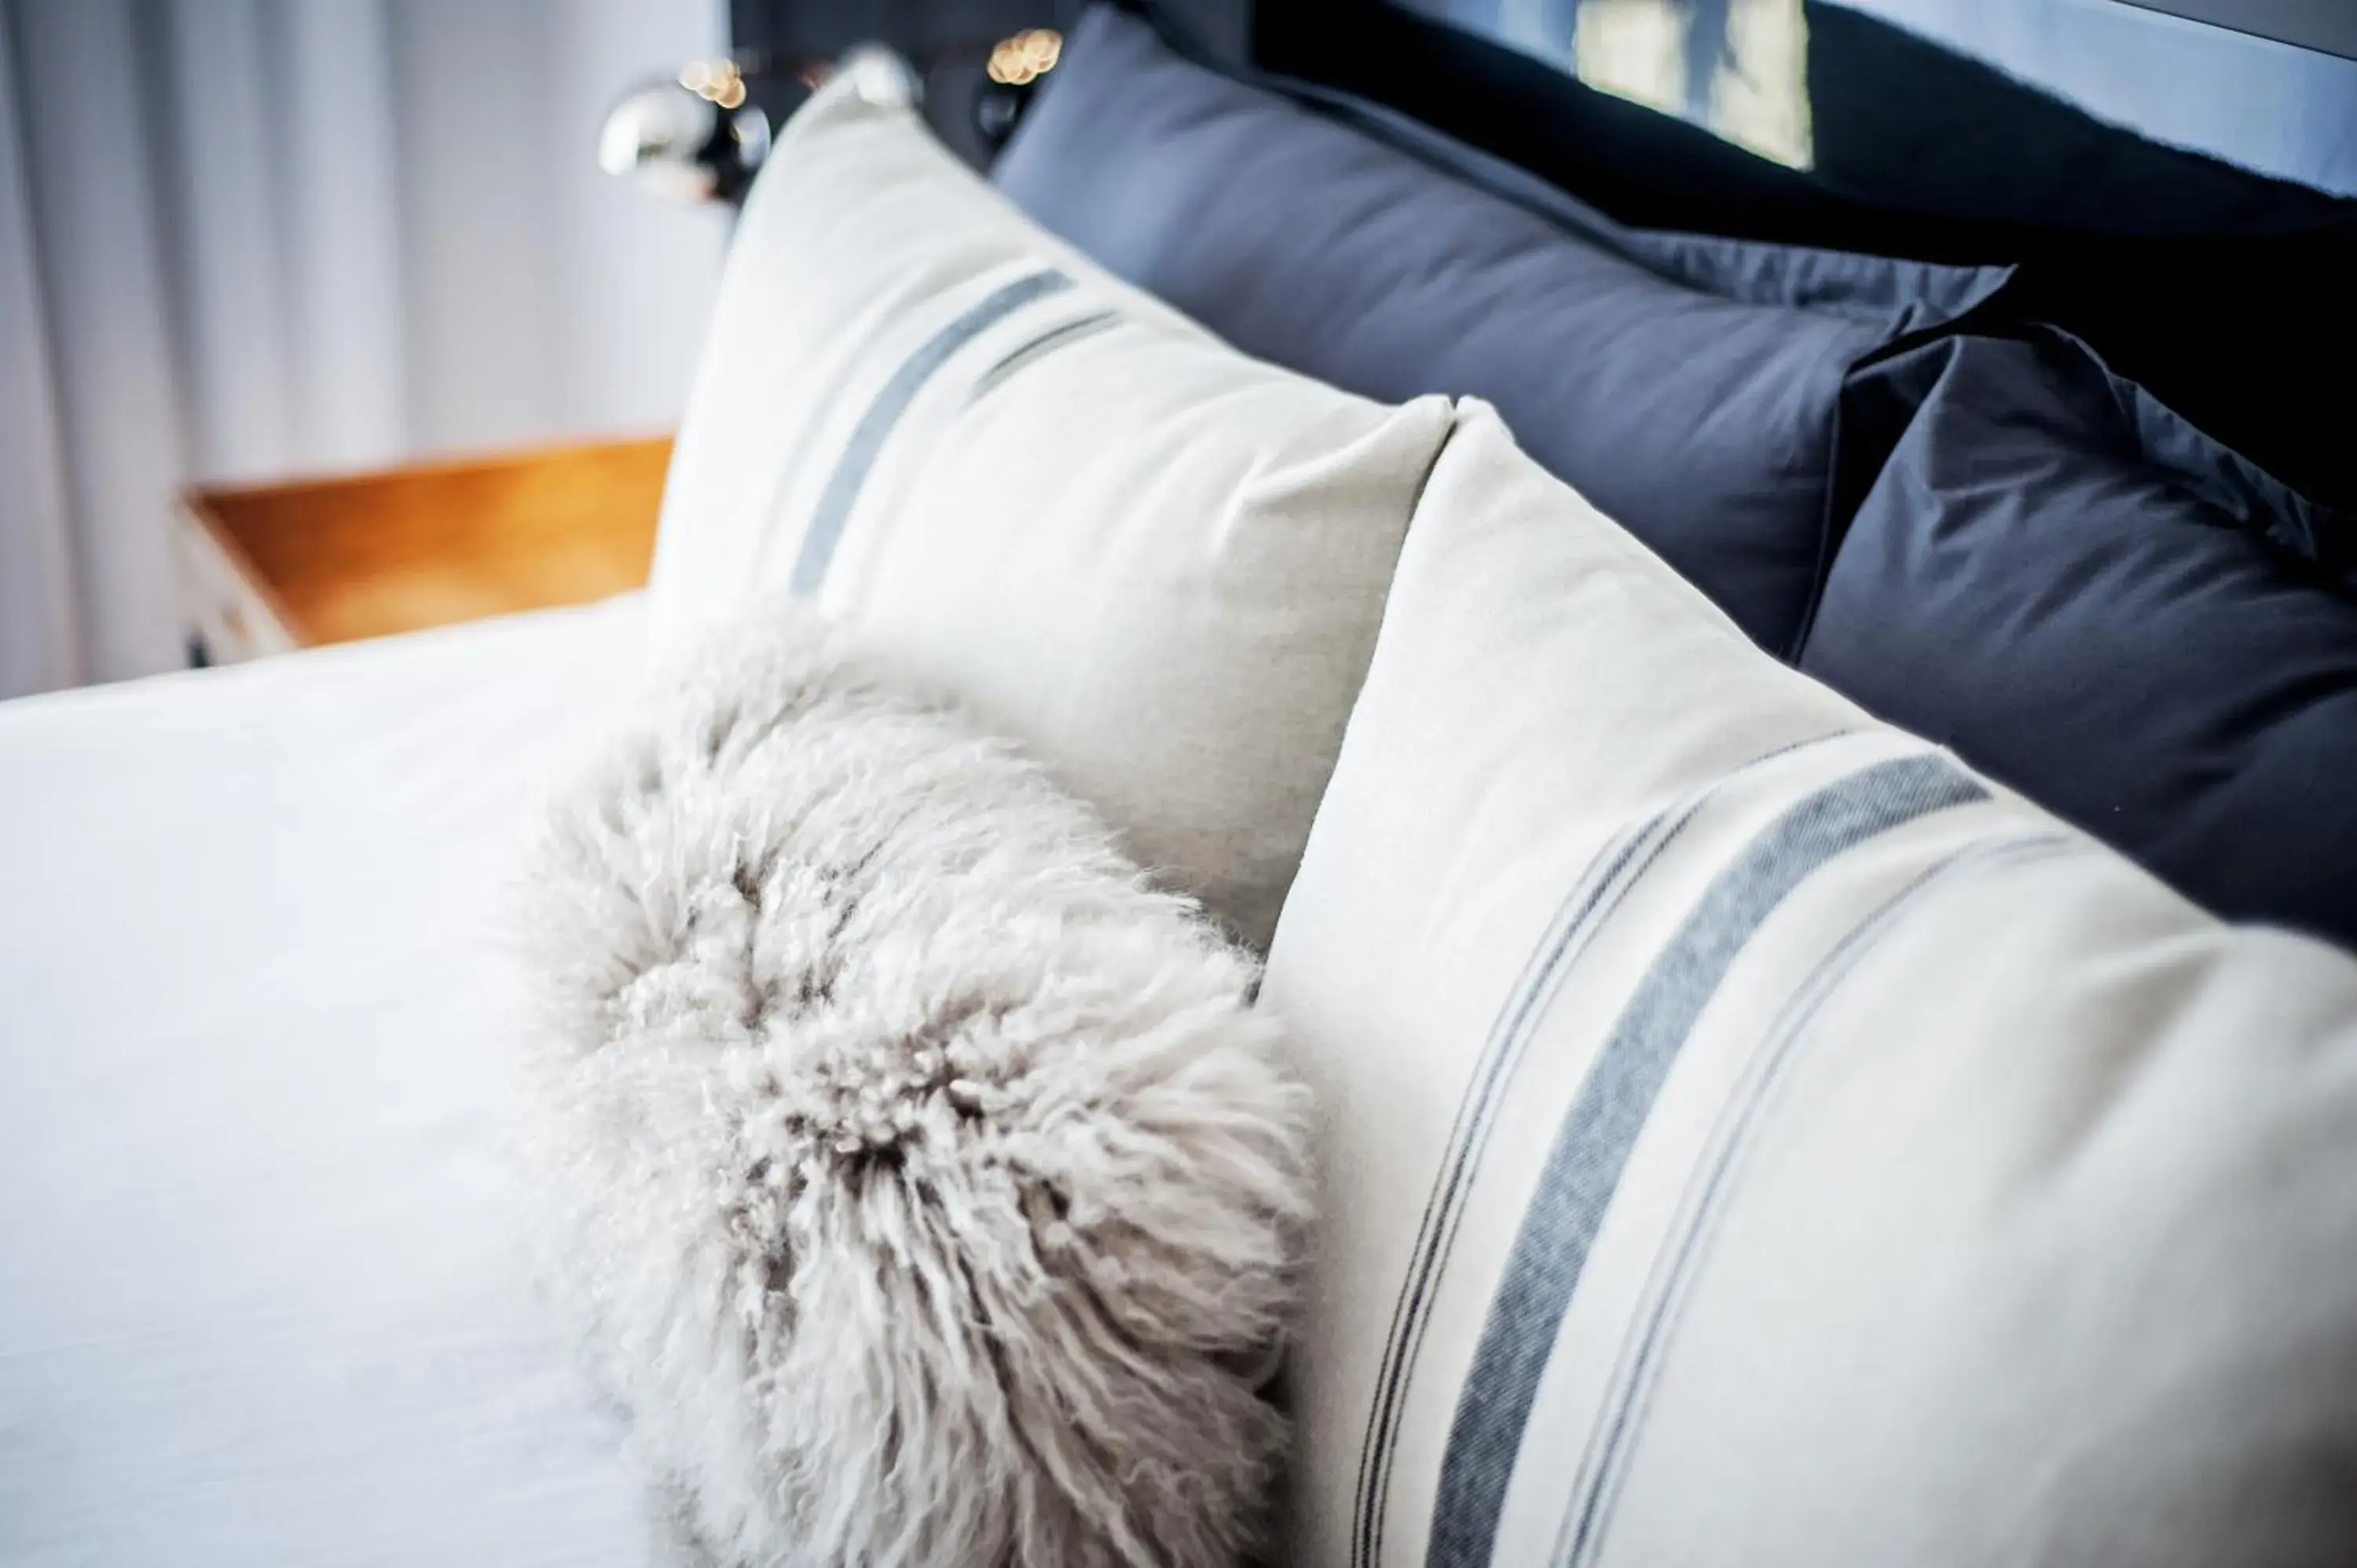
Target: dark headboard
(1982, 110)
(949, 40)
(2221, 284)
(2089, 115)
(824, 29)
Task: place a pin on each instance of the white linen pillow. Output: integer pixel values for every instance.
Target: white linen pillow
(1157, 563)
(1748, 1138)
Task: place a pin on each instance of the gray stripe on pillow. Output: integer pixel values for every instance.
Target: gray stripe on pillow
(1062, 334)
(1585, 908)
(1592, 1148)
(1594, 897)
(892, 401)
(1581, 1534)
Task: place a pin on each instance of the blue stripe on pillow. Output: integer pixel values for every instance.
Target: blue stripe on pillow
(1048, 341)
(891, 401)
(1585, 1516)
(1592, 1148)
(1598, 891)
(1594, 897)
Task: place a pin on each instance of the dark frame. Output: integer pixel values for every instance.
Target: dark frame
(2304, 24)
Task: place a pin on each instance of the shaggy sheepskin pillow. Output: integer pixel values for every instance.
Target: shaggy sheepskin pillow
(926, 1185)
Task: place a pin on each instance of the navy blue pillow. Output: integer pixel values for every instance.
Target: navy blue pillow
(2095, 604)
(1687, 386)
(1921, 150)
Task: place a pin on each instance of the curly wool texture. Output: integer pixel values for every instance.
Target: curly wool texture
(925, 1184)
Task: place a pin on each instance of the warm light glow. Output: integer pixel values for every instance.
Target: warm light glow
(1027, 57)
(715, 81)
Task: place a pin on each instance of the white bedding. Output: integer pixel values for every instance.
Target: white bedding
(260, 1300)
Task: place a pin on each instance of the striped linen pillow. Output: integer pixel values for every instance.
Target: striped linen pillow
(1752, 1139)
(1014, 478)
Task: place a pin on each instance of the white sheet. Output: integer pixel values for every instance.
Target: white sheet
(260, 1302)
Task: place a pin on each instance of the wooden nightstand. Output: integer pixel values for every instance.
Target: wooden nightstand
(272, 567)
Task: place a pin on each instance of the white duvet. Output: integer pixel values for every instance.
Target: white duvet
(260, 1298)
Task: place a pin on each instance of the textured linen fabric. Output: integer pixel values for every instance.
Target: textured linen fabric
(2091, 601)
(1157, 562)
(1751, 1137)
(1689, 386)
(261, 1295)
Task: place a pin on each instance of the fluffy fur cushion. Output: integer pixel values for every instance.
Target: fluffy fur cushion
(929, 1190)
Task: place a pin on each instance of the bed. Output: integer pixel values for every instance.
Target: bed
(262, 1291)
(261, 1299)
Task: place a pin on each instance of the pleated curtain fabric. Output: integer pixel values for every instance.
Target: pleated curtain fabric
(242, 239)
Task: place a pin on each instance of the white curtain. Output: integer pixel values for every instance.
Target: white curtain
(241, 239)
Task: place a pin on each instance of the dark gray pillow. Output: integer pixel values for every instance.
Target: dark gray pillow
(1688, 386)
(2095, 603)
